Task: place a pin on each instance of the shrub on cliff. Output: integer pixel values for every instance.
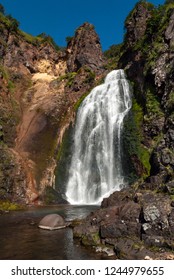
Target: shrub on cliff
(14, 24)
(47, 38)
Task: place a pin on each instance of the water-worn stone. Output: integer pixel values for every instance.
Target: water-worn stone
(52, 222)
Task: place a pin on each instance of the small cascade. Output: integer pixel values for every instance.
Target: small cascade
(96, 166)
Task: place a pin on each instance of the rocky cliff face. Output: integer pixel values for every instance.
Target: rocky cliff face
(137, 223)
(40, 87)
(148, 58)
(85, 50)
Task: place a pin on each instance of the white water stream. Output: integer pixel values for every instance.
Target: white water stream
(96, 166)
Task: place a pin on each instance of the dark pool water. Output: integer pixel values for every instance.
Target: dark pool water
(21, 239)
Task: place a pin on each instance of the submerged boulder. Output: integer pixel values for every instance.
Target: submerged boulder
(52, 222)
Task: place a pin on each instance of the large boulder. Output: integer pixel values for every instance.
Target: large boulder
(52, 222)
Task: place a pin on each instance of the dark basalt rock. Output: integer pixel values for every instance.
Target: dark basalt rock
(138, 220)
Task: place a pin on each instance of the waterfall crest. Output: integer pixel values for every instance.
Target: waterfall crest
(96, 165)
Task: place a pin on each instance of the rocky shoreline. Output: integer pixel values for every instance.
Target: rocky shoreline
(133, 224)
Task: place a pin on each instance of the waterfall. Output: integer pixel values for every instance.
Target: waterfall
(96, 165)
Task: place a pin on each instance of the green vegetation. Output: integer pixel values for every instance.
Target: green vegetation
(64, 159)
(170, 102)
(48, 39)
(6, 76)
(112, 55)
(153, 107)
(146, 4)
(169, 2)
(152, 44)
(11, 23)
(9, 206)
(147, 107)
(90, 75)
(68, 39)
(91, 239)
(132, 143)
(4, 73)
(68, 77)
(13, 26)
(30, 39)
(80, 100)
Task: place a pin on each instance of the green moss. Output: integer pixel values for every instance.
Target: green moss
(11, 86)
(153, 106)
(4, 73)
(63, 160)
(50, 196)
(112, 55)
(152, 44)
(92, 239)
(69, 78)
(132, 142)
(68, 39)
(170, 102)
(30, 39)
(90, 76)
(6, 76)
(9, 206)
(45, 38)
(5, 20)
(80, 100)
(2, 42)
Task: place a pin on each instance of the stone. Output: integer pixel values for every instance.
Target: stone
(170, 187)
(151, 213)
(52, 222)
(157, 241)
(171, 222)
(169, 31)
(85, 49)
(136, 24)
(109, 251)
(166, 157)
(113, 230)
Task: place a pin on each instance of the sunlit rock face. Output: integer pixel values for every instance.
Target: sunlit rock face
(37, 104)
(84, 49)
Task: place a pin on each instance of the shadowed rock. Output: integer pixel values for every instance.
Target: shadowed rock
(52, 222)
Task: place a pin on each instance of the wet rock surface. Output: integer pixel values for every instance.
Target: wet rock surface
(134, 223)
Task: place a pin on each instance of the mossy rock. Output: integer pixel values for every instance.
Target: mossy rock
(10, 206)
(92, 239)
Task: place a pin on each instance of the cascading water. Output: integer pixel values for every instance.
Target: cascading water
(96, 165)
